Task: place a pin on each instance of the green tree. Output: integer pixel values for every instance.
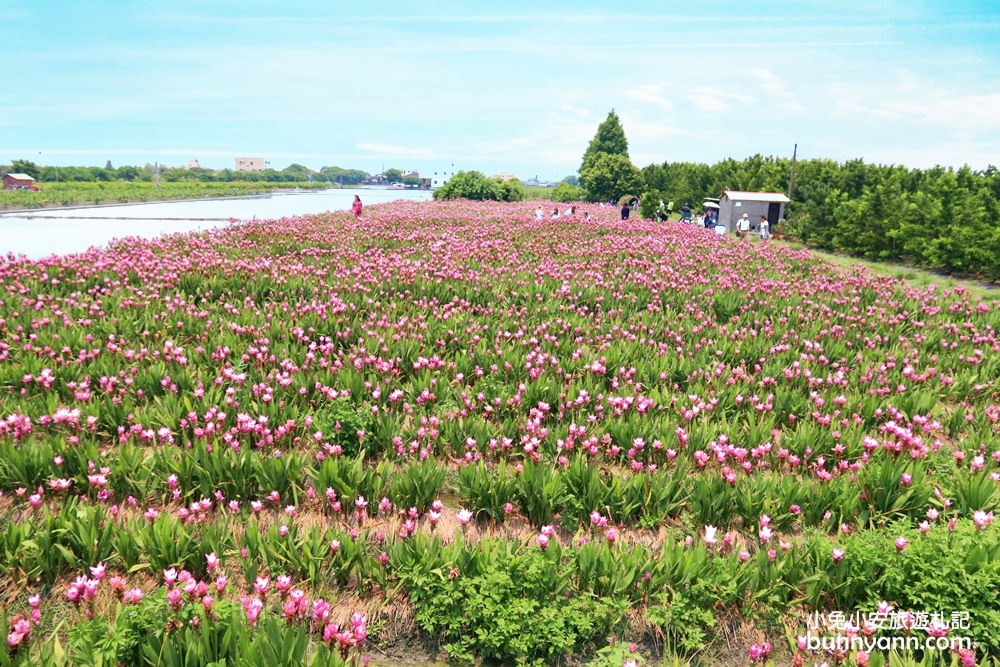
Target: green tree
(512, 190)
(24, 167)
(472, 185)
(343, 176)
(127, 172)
(572, 180)
(567, 192)
(610, 139)
(394, 175)
(609, 177)
(297, 173)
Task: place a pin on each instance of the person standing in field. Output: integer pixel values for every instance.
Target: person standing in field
(743, 226)
(625, 211)
(539, 212)
(356, 206)
(765, 228)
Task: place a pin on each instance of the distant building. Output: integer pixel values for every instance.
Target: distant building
(733, 204)
(193, 164)
(17, 181)
(506, 176)
(250, 164)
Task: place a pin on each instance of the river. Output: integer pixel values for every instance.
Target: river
(60, 231)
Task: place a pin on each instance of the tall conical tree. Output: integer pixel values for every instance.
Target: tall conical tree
(610, 138)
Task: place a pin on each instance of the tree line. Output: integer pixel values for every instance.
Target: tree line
(293, 173)
(942, 219)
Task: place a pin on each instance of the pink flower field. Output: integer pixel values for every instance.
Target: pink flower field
(452, 425)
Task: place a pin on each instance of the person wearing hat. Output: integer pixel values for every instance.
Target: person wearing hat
(743, 226)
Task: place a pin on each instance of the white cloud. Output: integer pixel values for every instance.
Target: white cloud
(654, 93)
(714, 99)
(769, 82)
(401, 151)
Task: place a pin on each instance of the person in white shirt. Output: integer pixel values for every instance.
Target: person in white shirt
(743, 226)
(765, 228)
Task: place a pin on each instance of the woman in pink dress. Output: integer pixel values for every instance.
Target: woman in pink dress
(356, 206)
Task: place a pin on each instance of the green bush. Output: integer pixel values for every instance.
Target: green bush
(475, 185)
(565, 192)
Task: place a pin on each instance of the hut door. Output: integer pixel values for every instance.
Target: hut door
(773, 213)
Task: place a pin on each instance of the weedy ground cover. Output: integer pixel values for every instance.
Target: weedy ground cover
(532, 439)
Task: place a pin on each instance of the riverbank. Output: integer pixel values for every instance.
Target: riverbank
(86, 194)
(38, 233)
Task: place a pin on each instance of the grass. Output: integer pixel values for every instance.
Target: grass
(913, 275)
(537, 193)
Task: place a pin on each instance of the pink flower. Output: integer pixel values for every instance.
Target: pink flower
(982, 519)
(709, 537)
(901, 543)
(837, 555)
(133, 596)
(937, 628)
(464, 516)
(262, 584)
(175, 597)
(211, 561)
(759, 652)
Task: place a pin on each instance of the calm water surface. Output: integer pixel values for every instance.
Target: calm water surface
(45, 232)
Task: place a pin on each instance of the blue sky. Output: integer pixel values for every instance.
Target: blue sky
(497, 86)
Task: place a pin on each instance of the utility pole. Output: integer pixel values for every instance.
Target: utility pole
(791, 175)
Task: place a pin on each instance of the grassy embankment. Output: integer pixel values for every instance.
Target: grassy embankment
(120, 192)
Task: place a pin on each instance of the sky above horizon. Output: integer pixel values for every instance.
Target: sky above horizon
(513, 87)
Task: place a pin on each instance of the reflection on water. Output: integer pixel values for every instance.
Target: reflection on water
(46, 232)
